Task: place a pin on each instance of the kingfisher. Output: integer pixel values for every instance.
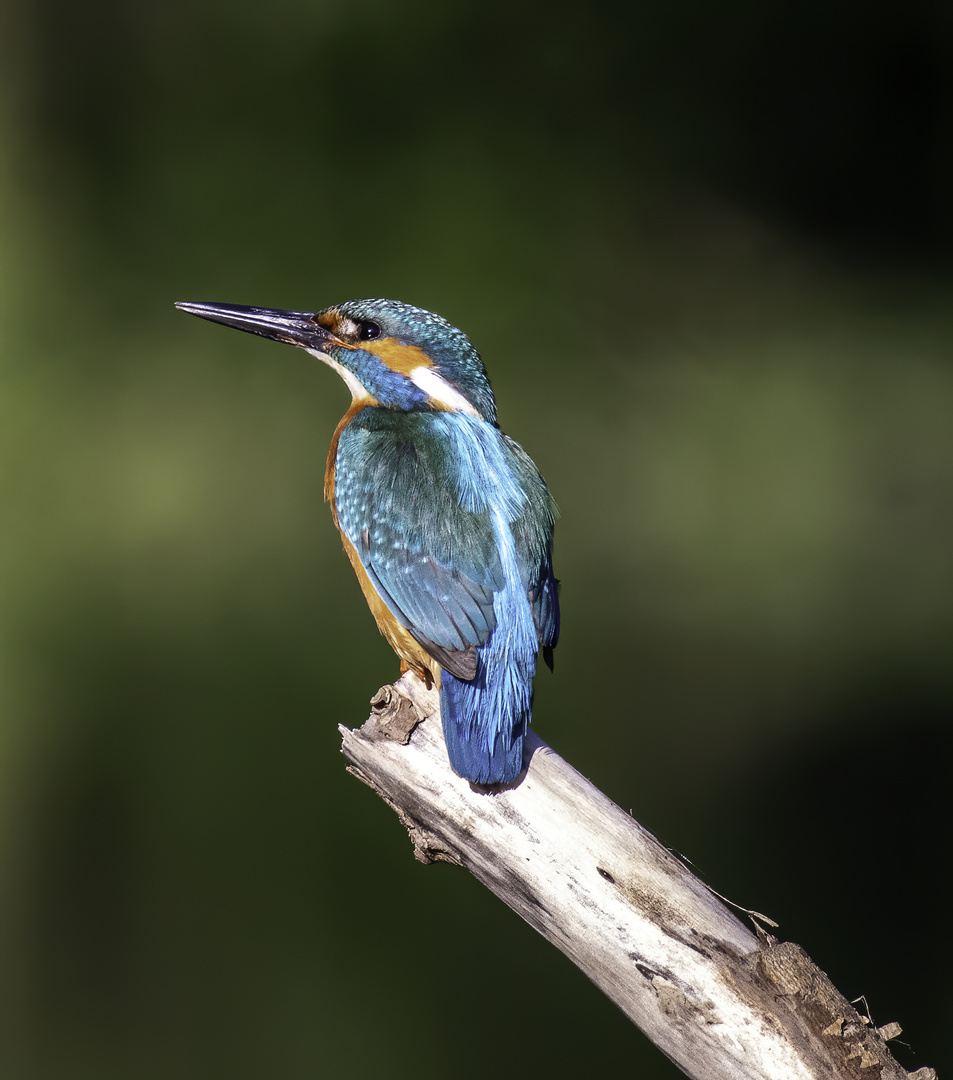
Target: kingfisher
(446, 520)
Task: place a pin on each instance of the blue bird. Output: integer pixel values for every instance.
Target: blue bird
(447, 522)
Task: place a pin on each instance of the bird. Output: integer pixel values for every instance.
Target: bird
(446, 520)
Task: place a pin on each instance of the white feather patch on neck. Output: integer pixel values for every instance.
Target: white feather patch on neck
(441, 392)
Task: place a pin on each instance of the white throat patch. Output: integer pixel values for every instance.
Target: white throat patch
(353, 383)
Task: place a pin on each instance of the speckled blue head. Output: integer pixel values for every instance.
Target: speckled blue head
(410, 334)
(389, 353)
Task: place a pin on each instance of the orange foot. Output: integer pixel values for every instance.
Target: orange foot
(421, 673)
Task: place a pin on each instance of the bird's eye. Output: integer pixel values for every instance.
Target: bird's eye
(369, 330)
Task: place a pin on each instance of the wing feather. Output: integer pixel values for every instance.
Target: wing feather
(434, 563)
(418, 512)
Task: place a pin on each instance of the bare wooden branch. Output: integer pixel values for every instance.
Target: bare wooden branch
(723, 1002)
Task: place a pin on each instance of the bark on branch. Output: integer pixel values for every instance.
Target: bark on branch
(723, 1002)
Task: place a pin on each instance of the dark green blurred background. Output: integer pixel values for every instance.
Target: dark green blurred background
(706, 251)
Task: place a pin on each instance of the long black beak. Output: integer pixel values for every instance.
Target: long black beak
(292, 327)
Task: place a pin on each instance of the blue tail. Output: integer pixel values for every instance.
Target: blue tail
(485, 718)
(484, 747)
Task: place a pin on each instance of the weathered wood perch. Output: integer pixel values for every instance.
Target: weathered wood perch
(721, 1001)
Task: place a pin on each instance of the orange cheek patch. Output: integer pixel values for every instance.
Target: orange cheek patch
(399, 358)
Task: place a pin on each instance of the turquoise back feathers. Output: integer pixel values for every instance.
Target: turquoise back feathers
(445, 519)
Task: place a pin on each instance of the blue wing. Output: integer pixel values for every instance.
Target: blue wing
(433, 562)
(533, 537)
(404, 500)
